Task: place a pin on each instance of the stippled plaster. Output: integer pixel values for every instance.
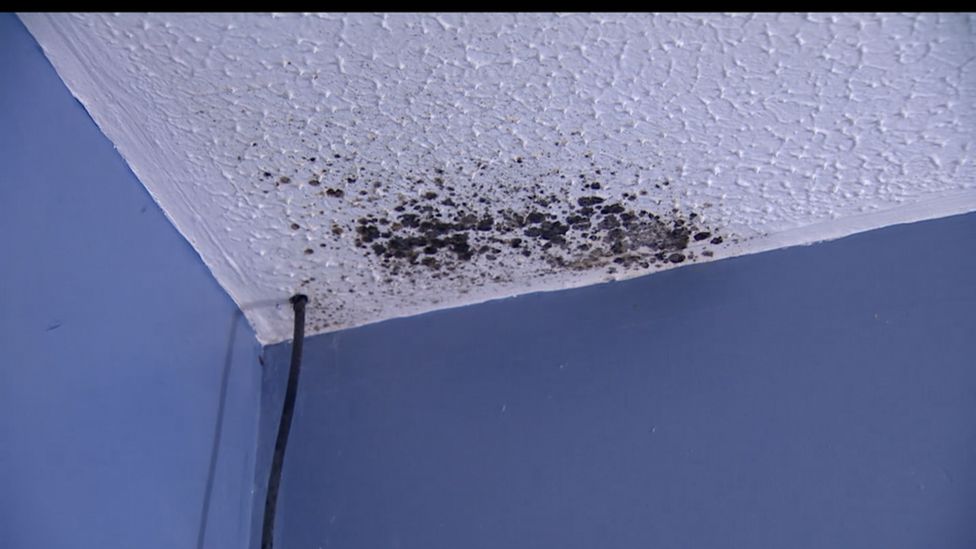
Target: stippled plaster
(388, 165)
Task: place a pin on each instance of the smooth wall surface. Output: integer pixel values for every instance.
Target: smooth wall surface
(118, 350)
(812, 397)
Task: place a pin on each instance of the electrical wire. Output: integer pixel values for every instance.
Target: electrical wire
(298, 301)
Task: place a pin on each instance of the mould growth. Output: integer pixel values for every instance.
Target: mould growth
(431, 230)
(442, 223)
(591, 232)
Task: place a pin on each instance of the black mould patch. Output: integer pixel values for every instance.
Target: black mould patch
(472, 222)
(582, 233)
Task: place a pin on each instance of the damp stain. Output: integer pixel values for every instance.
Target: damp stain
(453, 227)
(592, 231)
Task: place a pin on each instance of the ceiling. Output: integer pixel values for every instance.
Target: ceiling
(388, 165)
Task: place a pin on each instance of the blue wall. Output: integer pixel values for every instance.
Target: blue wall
(116, 344)
(820, 396)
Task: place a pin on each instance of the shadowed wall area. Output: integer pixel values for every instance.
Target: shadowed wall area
(821, 396)
(129, 381)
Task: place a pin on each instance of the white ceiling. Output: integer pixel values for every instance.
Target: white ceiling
(387, 165)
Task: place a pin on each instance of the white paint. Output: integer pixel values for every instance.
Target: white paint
(779, 129)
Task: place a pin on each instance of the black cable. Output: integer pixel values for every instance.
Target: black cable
(284, 426)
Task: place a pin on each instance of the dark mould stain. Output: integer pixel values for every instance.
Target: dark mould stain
(581, 233)
(469, 222)
(586, 201)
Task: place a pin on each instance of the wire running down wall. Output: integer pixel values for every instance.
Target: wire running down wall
(387, 165)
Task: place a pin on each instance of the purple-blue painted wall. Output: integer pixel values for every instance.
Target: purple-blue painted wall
(820, 396)
(812, 397)
(119, 352)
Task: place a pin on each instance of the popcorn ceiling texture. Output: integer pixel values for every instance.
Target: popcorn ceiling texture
(387, 165)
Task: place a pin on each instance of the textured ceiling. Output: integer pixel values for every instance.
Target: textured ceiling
(387, 165)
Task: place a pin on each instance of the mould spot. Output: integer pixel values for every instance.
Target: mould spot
(586, 201)
(441, 234)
